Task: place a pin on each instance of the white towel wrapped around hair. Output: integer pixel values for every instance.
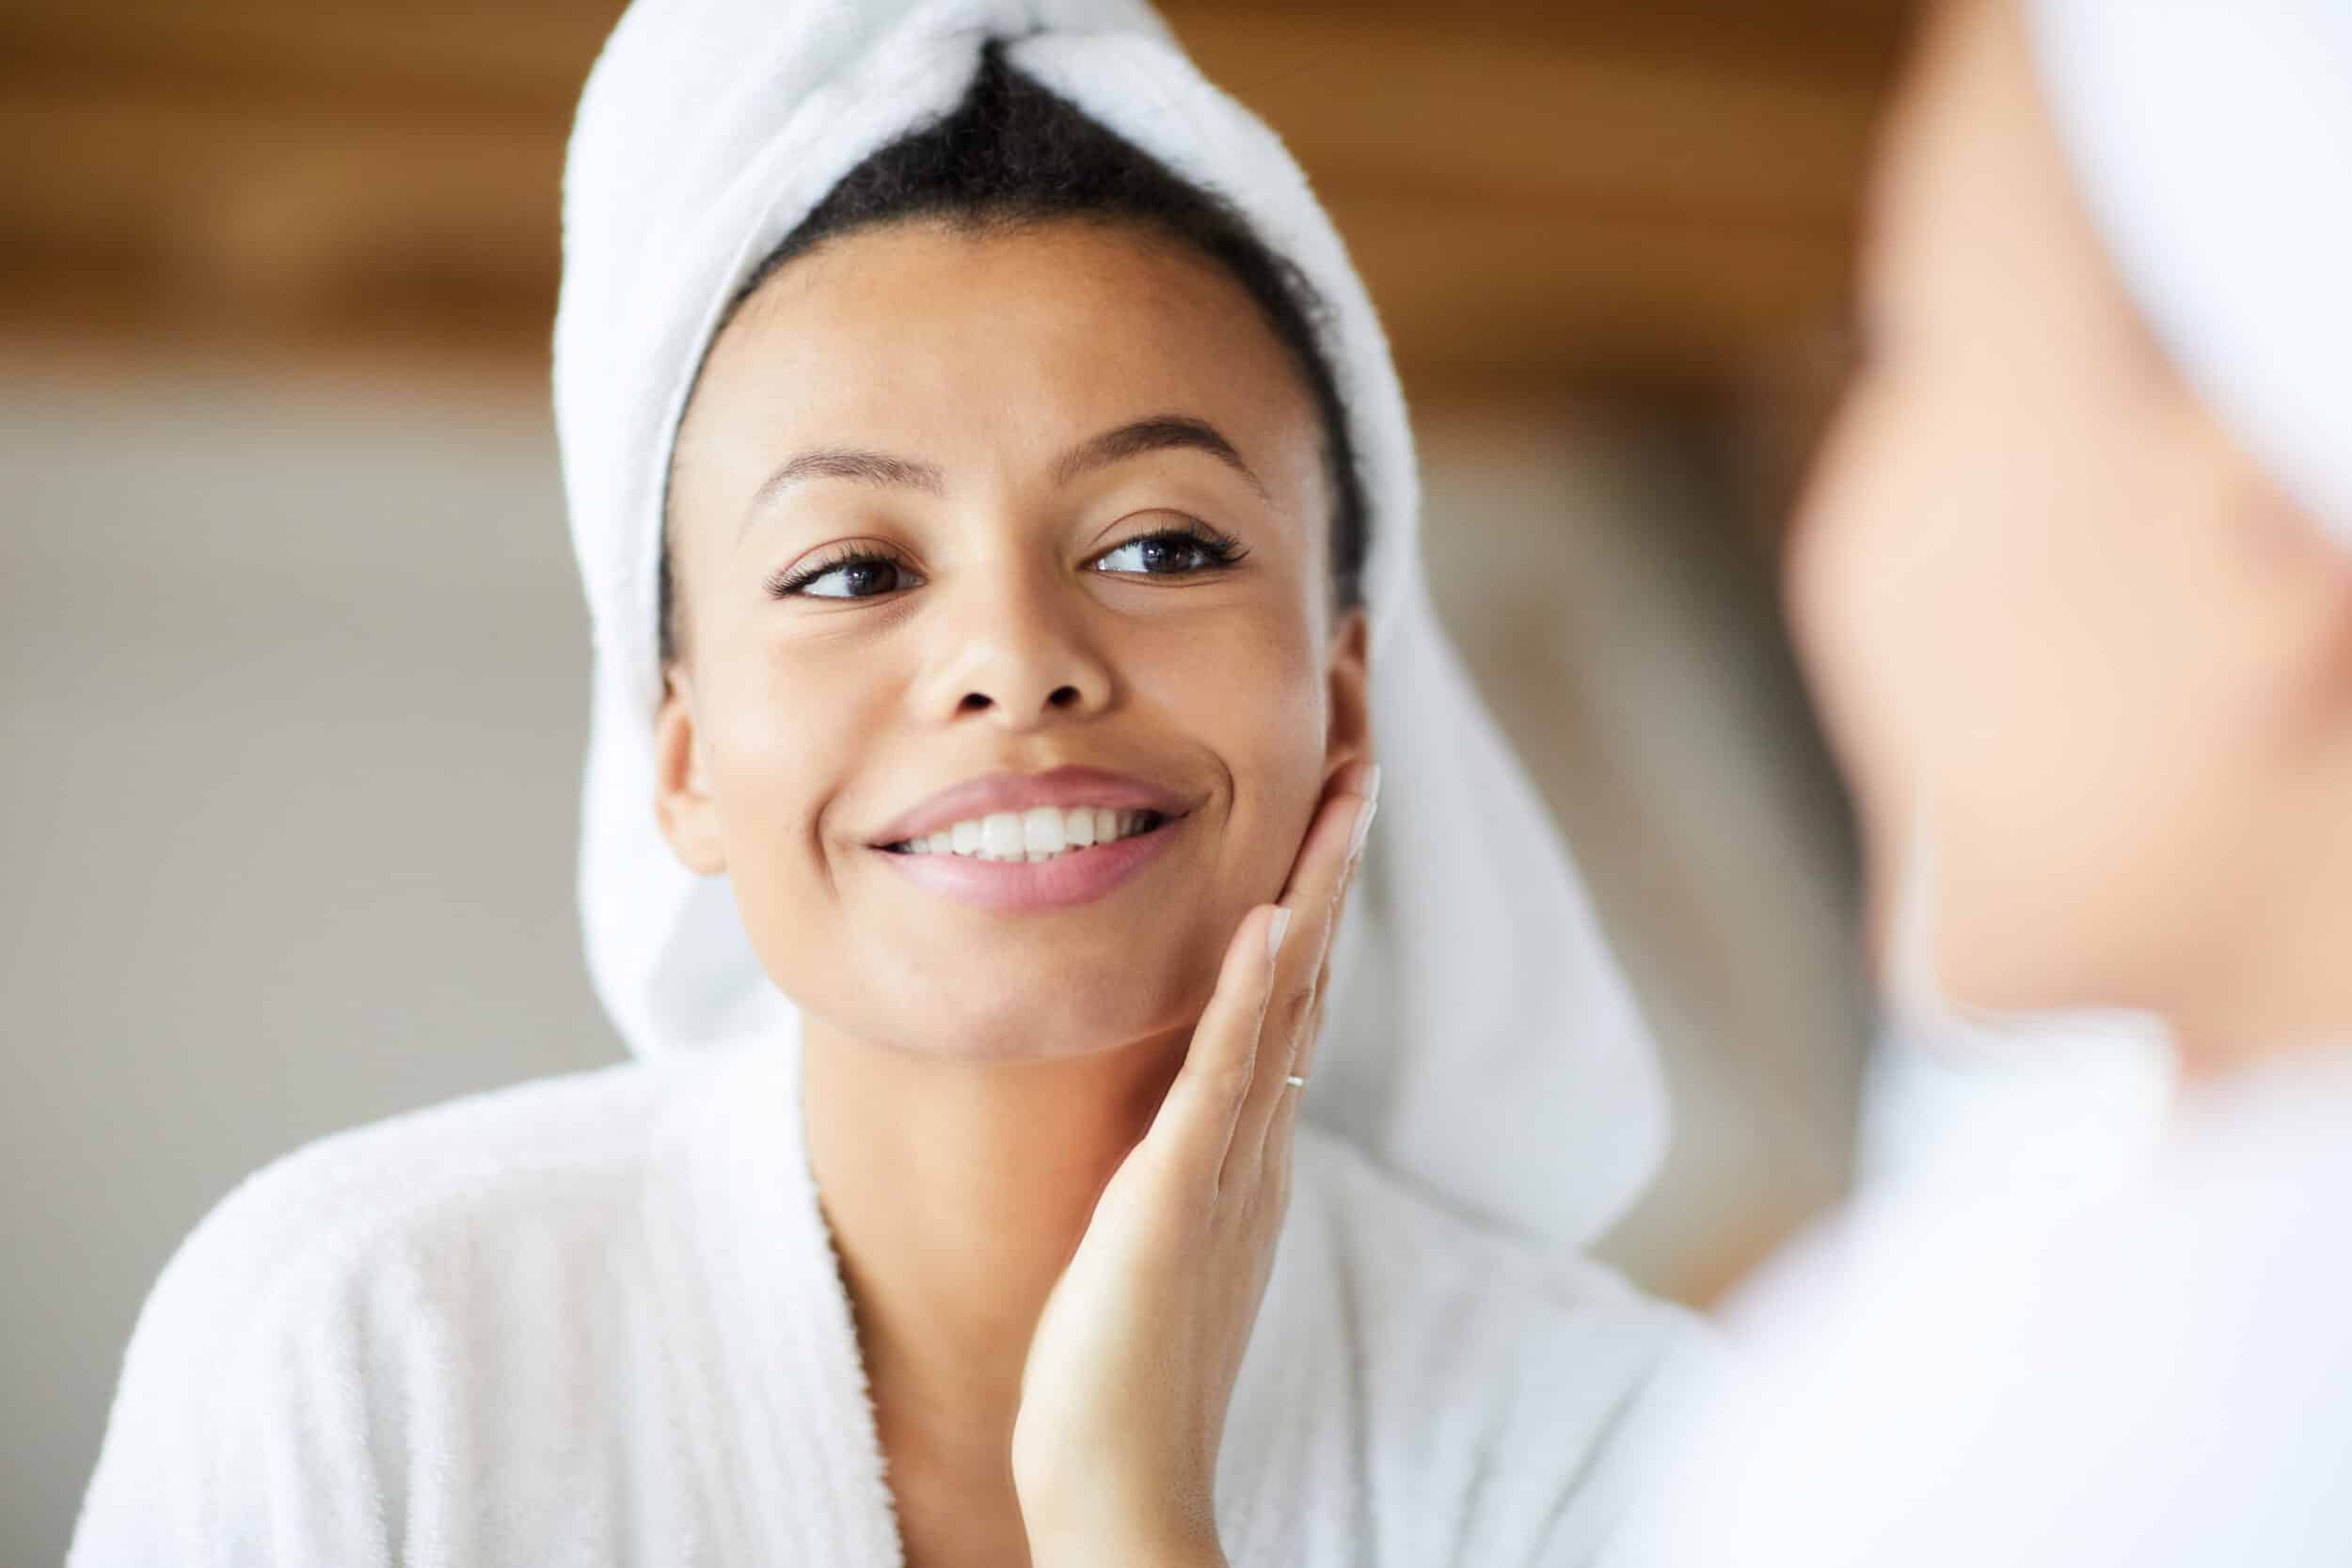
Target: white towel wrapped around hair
(1482, 1039)
(2213, 145)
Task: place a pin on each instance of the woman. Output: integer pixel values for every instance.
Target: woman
(2073, 585)
(1000, 549)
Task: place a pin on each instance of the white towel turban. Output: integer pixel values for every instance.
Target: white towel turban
(2212, 141)
(1482, 1040)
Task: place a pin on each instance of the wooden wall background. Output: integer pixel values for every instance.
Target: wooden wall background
(1642, 196)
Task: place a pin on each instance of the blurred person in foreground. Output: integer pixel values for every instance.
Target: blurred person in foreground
(2073, 587)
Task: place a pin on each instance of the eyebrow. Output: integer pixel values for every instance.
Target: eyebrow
(862, 467)
(1158, 433)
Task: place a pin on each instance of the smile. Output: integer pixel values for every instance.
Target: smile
(995, 875)
(1039, 834)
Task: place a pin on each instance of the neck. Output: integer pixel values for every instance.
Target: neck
(956, 1192)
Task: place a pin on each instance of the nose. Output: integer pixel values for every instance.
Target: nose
(1015, 648)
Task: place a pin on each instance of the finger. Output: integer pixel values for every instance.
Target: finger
(1279, 1133)
(1305, 1036)
(1317, 878)
(1194, 1124)
(1318, 887)
(1321, 854)
(1303, 1043)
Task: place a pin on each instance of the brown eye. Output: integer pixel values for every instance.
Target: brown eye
(857, 579)
(1170, 553)
(863, 576)
(1158, 556)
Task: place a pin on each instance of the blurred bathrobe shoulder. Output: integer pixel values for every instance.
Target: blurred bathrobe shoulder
(596, 1320)
(1987, 1363)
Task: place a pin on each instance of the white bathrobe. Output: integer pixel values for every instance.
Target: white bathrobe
(596, 1319)
(1996, 1362)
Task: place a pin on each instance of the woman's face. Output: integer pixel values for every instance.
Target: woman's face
(2050, 616)
(951, 513)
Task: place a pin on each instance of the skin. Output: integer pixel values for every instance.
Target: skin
(2065, 635)
(1008, 1107)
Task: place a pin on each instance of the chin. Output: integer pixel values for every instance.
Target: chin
(1043, 1018)
(2009, 954)
(1972, 935)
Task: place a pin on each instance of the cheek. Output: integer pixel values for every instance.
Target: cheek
(1993, 621)
(1250, 691)
(781, 731)
(1917, 561)
(1251, 699)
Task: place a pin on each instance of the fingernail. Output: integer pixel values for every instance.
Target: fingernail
(1372, 781)
(1364, 815)
(1274, 931)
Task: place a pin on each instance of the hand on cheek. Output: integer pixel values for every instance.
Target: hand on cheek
(1134, 1360)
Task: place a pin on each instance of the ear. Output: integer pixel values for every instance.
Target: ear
(681, 784)
(1347, 736)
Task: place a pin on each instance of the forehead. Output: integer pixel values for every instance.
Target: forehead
(986, 350)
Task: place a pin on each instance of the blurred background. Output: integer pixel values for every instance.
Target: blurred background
(295, 664)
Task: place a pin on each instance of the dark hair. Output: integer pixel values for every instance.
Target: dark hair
(1012, 155)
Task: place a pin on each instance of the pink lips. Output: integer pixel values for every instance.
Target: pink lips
(1074, 876)
(1062, 786)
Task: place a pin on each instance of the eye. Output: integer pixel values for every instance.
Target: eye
(859, 574)
(1173, 552)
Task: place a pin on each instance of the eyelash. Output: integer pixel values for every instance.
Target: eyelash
(1219, 551)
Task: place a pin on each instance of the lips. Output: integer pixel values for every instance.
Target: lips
(997, 793)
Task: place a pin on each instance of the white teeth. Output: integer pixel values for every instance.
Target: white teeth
(1041, 831)
(1000, 836)
(1040, 834)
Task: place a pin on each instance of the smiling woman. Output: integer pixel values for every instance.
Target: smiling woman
(991, 534)
(973, 610)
